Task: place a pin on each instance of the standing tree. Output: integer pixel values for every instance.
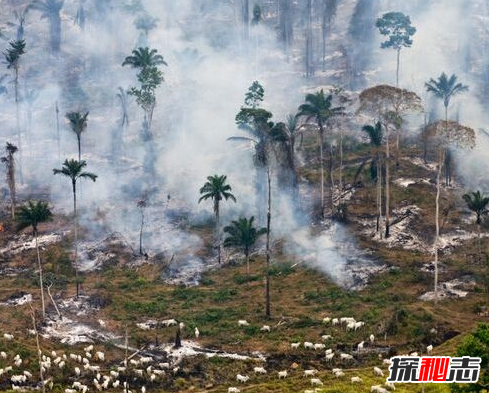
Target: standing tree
(150, 78)
(267, 274)
(246, 19)
(243, 234)
(397, 27)
(446, 135)
(50, 10)
(477, 202)
(286, 25)
(388, 104)
(328, 13)
(31, 215)
(445, 88)
(12, 57)
(319, 107)
(257, 15)
(216, 189)
(58, 135)
(73, 169)
(10, 166)
(255, 121)
(375, 137)
(309, 44)
(141, 204)
(78, 124)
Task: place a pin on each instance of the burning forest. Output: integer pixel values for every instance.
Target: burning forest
(242, 196)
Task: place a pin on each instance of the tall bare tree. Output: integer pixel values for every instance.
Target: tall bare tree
(446, 135)
(9, 162)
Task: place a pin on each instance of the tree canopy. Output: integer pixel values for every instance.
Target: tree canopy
(397, 28)
(32, 214)
(445, 88)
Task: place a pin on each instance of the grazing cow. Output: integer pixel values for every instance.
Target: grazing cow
(259, 370)
(378, 372)
(359, 325)
(242, 378)
(310, 373)
(316, 381)
(169, 322)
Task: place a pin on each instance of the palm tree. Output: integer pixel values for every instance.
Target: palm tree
(31, 215)
(445, 88)
(150, 78)
(10, 166)
(78, 124)
(477, 202)
(243, 234)
(12, 58)
(216, 188)
(144, 58)
(375, 136)
(319, 107)
(73, 169)
(50, 10)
